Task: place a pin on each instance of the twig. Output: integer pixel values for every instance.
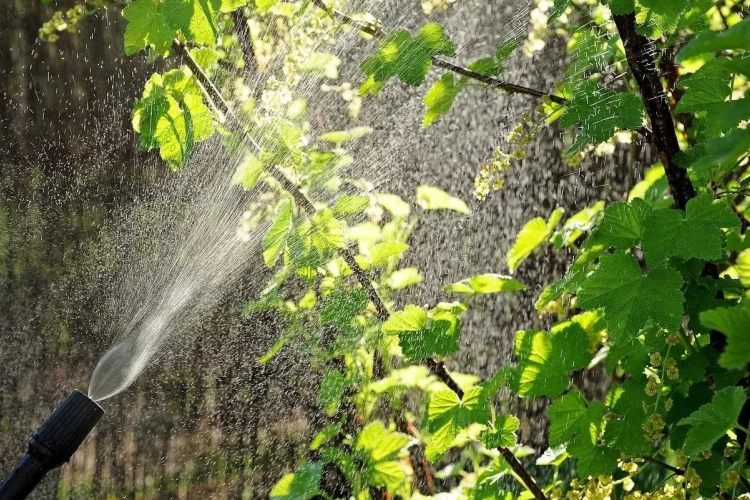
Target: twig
(522, 473)
(378, 32)
(663, 465)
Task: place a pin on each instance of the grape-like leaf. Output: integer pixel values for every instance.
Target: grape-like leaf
(696, 233)
(448, 415)
(626, 433)
(734, 323)
(711, 421)
(303, 484)
(630, 300)
(545, 358)
(440, 97)
(600, 112)
(622, 225)
(146, 28)
(408, 58)
(534, 233)
(503, 434)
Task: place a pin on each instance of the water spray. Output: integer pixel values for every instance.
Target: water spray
(52, 444)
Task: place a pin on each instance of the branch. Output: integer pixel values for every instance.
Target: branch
(496, 83)
(521, 472)
(663, 465)
(640, 51)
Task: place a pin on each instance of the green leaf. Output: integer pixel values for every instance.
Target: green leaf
(558, 8)
(736, 37)
(350, 205)
(325, 435)
(600, 112)
(593, 459)
(327, 231)
(485, 284)
(734, 323)
(171, 115)
(701, 93)
(534, 233)
(248, 173)
(625, 433)
(303, 484)
(411, 319)
(503, 433)
(342, 136)
(661, 16)
(440, 97)
(545, 358)
(630, 300)
(146, 28)
(720, 155)
(571, 416)
(696, 234)
(448, 415)
(403, 278)
(432, 198)
(276, 236)
(621, 6)
(340, 308)
(193, 18)
(408, 58)
(712, 421)
(439, 338)
(622, 225)
(578, 425)
(380, 253)
(379, 449)
(331, 390)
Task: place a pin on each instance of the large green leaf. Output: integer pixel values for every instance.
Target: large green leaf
(448, 415)
(630, 300)
(146, 28)
(711, 421)
(625, 432)
(303, 484)
(408, 58)
(379, 449)
(421, 335)
(171, 115)
(622, 225)
(696, 233)
(734, 323)
(545, 358)
(600, 112)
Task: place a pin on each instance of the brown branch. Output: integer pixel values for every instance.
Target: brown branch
(640, 54)
(518, 468)
(490, 81)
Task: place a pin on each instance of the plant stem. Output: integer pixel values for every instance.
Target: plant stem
(518, 468)
(663, 465)
(639, 51)
(490, 81)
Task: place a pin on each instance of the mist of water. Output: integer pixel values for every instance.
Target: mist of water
(204, 255)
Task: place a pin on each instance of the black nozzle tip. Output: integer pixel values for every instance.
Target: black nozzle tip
(64, 431)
